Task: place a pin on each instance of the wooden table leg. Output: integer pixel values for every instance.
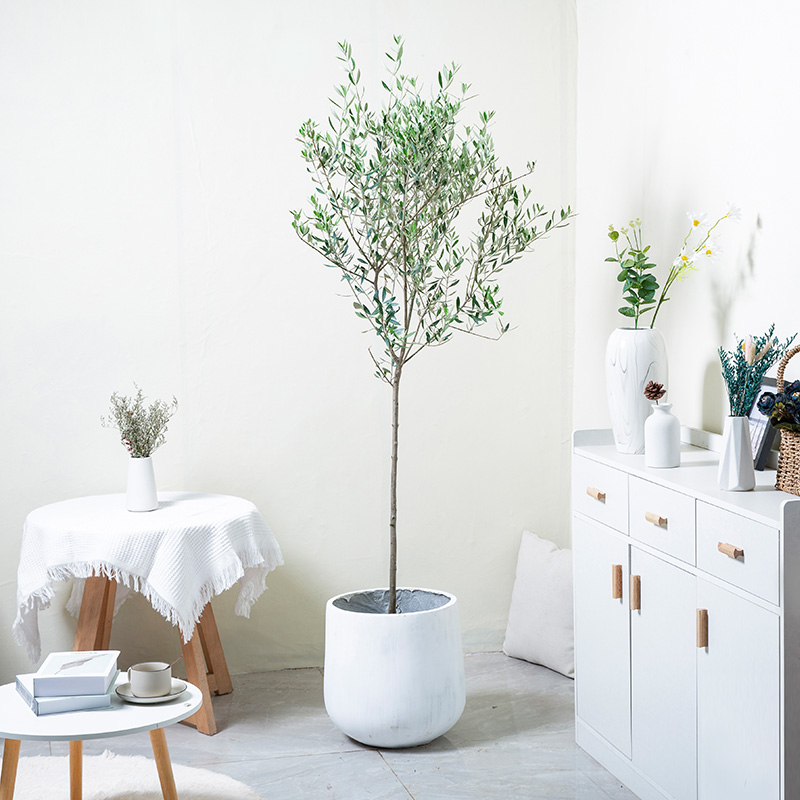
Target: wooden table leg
(8, 777)
(206, 668)
(216, 666)
(96, 615)
(193, 660)
(203, 656)
(161, 752)
(75, 770)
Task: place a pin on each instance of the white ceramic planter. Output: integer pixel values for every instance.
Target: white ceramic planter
(394, 680)
(662, 438)
(141, 495)
(634, 356)
(736, 471)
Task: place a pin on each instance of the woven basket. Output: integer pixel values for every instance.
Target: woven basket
(788, 479)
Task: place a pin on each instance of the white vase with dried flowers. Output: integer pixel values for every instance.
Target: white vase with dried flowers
(142, 430)
(743, 370)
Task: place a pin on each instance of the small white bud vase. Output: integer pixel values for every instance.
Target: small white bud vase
(141, 494)
(662, 438)
(736, 472)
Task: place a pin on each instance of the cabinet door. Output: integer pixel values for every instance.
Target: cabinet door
(738, 699)
(602, 631)
(663, 680)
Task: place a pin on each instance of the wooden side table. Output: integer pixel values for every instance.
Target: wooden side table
(193, 546)
(19, 723)
(203, 656)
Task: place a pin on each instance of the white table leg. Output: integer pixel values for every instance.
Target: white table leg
(161, 752)
(75, 770)
(8, 777)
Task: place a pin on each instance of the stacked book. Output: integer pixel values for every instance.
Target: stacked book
(72, 681)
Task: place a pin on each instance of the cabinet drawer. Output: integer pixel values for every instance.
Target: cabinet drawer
(662, 518)
(754, 559)
(600, 492)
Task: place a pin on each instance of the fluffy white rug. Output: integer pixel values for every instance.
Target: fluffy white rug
(113, 777)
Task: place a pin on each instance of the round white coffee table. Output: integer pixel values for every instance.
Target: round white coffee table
(18, 722)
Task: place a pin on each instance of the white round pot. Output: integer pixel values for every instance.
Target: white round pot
(141, 495)
(394, 680)
(634, 356)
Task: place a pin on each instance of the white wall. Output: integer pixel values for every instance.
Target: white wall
(147, 169)
(683, 106)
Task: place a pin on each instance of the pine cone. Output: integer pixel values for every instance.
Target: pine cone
(654, 391)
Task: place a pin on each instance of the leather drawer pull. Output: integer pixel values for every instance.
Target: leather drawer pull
(702, 627)
(596, 493)
(730, 550)
(656, 519)
(616, 581)
(636, 592)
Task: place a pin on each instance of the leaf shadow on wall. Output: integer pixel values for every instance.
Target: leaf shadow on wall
(725, 289)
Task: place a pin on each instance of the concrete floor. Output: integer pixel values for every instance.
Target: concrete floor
(515, 739)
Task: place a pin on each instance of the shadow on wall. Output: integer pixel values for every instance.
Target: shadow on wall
(724, 294)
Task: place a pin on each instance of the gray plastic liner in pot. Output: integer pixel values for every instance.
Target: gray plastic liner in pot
(376, 601)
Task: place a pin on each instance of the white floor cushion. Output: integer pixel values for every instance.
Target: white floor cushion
(540, 620)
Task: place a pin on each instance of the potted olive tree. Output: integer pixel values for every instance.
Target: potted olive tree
(419, 218)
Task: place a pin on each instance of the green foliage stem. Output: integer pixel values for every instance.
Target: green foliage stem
(639, 286)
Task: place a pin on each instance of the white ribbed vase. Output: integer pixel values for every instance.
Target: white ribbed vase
(662, 438)
(736, 472)
(141, 495)
(634, 356)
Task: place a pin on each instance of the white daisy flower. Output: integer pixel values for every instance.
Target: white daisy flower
(709, 253)
(697, 220)
(684, 259)
(734, 212)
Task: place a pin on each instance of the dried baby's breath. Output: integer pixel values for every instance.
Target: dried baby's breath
(142, 428)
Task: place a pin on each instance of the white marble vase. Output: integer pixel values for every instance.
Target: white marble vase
(634, 356)
(736, 471)
(393, 680)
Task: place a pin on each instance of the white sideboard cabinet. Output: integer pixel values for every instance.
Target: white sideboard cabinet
(687, 626)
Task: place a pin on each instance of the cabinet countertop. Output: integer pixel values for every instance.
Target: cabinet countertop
(696, 476)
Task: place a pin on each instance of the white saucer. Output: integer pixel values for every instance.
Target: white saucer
(124, 692)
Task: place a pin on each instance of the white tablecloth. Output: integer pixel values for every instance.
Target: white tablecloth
(192, 547)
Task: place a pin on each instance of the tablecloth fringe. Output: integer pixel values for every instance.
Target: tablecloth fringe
(251, 572)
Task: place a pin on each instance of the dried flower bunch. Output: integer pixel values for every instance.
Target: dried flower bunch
(782, 408)
(142, 429)
(744, 368)
(654, 391)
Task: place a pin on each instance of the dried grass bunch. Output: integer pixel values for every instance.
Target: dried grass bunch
(142, 428)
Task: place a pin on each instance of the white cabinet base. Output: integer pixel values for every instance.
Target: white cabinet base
(619, 766)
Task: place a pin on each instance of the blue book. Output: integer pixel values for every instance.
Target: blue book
(54, 705)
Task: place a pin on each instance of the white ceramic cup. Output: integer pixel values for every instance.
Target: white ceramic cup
(150, 679)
